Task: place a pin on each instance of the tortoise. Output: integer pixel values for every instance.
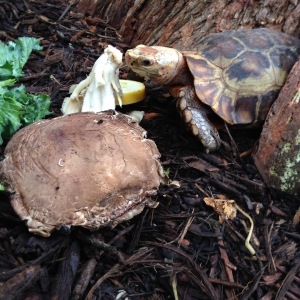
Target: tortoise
(237, 74)
(80, 170)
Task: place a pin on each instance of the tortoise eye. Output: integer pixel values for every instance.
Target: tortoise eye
(146, 63)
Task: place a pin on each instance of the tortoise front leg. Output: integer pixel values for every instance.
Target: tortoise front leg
(194, 114)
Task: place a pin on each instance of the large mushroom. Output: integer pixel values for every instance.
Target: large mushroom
(87, 169)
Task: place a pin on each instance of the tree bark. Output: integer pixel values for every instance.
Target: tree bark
(278, 154)
(183, 23)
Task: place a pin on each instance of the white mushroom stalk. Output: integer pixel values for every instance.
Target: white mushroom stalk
(100, 88)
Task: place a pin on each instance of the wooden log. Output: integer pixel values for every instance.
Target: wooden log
(277, 156)
(182, 23)
(13, 288)
(67, 270)
(84, 279)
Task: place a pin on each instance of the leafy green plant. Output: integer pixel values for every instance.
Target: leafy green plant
(18, 108)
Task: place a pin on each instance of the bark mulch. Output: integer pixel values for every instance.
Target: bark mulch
(179, 250)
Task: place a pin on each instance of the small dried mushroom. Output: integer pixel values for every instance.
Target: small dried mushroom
(99, 90)
(87, 169)
(102, 89)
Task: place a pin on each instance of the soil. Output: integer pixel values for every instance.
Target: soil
(180, 250)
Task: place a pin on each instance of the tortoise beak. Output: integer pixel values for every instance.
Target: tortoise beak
(131, 57)
(134, 60)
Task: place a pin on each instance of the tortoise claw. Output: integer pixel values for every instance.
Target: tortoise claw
(195, 117)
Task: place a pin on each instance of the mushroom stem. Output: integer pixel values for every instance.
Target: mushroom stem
(100, 88)
(100, 94)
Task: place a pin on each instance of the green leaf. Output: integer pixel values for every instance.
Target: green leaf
(36, 106)
(2, 188)
(17, 108)
(13, 56)
(7, 82)
(10, 114)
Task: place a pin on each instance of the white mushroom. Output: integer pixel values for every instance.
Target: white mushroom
(100, 88)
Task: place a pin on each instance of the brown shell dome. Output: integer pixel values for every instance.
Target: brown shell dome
(240, 73)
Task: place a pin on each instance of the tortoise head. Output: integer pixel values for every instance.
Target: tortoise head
(160, 64)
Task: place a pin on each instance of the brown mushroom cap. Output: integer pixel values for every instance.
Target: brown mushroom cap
(85, 169)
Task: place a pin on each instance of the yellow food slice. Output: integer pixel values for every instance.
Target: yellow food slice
(133, 92)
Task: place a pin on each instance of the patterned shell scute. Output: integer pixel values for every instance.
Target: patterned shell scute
(240, 73)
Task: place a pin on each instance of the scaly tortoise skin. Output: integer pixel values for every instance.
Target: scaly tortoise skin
(238, 74)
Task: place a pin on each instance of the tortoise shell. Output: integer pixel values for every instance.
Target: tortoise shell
(240, 73)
